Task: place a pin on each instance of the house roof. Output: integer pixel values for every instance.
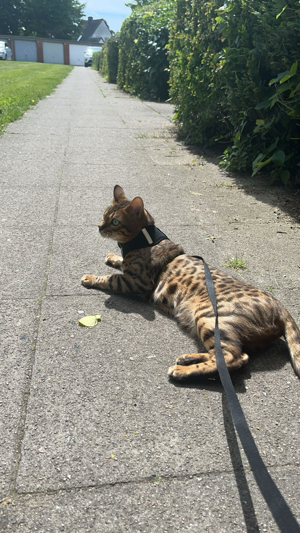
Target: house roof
(90, 28)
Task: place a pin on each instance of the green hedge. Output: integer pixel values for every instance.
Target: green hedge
(235, 79)
(107, 62)
(143, 62)
(96, 60)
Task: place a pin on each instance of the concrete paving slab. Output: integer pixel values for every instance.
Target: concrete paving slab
(162, 108)
(290, 298)
(236, 204)
(24, 253)
(18, 327)
(52, 113)
(28, 158)
(37, 128)
(82, 128)
(273, 270)
(95, 121)
(103, 157)
(30, 146)
(32, 172)
(96, 175)
(169, 153)
(27, 206)
(144, 123)
(45, 174)
(255, 201)
(76, 251)
(107, 135)
(141, 108)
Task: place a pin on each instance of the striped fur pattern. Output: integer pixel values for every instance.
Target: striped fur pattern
(249, 318)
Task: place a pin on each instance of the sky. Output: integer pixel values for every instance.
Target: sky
(113, 11)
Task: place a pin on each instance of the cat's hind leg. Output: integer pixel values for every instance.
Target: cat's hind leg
(204, 364)
(192, 358)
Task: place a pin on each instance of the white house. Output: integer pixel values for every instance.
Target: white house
(95, 31)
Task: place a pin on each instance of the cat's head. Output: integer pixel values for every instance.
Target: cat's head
(124, 219)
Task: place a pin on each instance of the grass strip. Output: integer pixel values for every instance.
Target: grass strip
(23, 84)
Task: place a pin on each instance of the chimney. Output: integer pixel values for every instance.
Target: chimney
(90, 19)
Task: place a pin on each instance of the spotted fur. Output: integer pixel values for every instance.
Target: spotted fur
(249, 318)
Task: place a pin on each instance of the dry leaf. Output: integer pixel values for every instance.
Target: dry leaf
(89, 321)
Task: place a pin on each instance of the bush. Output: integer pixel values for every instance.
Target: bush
(108, 59)
(234, 78)
(96, 60)
(143, 62)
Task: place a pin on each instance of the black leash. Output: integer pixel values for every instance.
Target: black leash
(276, 502)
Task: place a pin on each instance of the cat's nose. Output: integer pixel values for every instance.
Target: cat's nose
(101, 227)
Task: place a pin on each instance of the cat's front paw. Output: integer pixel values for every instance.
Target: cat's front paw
(88, 281)
(113, 260)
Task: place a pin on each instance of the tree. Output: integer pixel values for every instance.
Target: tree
(58, 19)
(11, 15)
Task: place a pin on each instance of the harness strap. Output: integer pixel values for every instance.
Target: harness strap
(149, 236)
(279, 508)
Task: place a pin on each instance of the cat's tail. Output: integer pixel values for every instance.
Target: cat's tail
(292, 337)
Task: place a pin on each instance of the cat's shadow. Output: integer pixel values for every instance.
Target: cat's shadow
(130, 304)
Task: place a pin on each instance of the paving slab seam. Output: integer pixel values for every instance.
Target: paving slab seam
(149, 479)
(155, 110)
(20, 299)
(95, 80)
(107, 293)
(29, 373)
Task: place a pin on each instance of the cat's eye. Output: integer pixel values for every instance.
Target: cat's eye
(115, 222)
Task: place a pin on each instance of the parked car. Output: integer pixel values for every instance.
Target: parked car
(5, 51)
(88, 54)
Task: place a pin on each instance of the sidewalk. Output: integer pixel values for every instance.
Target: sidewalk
(93, 436)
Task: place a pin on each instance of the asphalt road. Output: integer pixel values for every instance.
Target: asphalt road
(93, 435)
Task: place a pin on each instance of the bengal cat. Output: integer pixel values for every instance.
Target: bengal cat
(155, 267)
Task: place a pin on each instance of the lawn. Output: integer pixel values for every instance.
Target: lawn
(22, 84)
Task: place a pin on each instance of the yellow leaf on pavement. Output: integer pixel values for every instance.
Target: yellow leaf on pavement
(89, 321)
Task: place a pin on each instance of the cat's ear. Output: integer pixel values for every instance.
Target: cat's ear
(136, 207)
(119, 194)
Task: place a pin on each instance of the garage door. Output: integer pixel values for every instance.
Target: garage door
(53, 53)
(76, 54)
(25, 50)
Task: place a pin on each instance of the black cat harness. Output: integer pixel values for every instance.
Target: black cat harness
(148, 236)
